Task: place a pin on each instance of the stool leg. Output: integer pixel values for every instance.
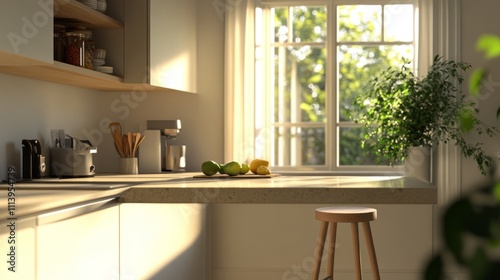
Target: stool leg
(319, 249)
(331, 248)
(371, 250)
(355, 245)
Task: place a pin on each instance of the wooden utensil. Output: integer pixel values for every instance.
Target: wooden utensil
(137, 140)
(126, 148)
(140, 138)
(130, 144)
(116, 132)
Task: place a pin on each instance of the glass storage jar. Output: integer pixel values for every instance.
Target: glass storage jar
(89, 54)
(75, 48)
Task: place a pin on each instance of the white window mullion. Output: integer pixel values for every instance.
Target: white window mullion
(282, 141)
(294, 115)
(331, 140)
(266, 135)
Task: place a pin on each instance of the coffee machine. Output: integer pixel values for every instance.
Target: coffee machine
(33, 160)
(157, 152)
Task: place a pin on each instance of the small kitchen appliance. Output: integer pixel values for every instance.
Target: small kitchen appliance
(175, 157)
(157, 154)
(32, 160)
(71, 157)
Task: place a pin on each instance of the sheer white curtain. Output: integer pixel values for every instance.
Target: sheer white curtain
(239, 105)
(440, 34)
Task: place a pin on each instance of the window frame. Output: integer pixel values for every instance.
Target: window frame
(331, 127)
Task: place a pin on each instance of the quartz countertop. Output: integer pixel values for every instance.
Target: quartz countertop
(284, 189)
(52, 193)
(31, 199)
(184, 188)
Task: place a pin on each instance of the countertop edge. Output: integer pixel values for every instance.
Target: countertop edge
(280, 196)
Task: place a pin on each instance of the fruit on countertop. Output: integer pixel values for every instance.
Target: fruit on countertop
(256, 163)
(244, 169)
(210, 167)
(232, 168)
(263, 170)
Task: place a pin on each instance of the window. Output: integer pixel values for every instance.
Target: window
(311, 61)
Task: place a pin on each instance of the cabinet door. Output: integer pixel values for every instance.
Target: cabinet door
(82, 247)
(160, 43)
(27, 29)
(17, 243)
(162, 241)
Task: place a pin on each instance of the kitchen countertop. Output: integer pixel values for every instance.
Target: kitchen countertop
(183, 188)
(285, 189)
(34, 199)
(43, 194)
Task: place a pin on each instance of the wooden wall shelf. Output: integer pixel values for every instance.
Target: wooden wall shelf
(76, 12)
(62, 73)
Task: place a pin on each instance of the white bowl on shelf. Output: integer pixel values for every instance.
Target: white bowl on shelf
(98, 62)
(104, 69)
(102, 5)
(89, 3)
(100, 54)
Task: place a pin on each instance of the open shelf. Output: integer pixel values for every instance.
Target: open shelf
(62, 73)
(75, 12)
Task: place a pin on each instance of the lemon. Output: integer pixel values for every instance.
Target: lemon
(210, 167)
(263, 170)
(244, 169)
(256, 163)
(221, 170)
(232, 168)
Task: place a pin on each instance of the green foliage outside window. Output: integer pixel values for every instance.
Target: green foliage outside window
(357, 62)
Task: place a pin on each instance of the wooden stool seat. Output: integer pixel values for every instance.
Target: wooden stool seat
(329, 217)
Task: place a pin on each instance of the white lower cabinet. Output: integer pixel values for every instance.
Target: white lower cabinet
(17, 240)
(76, 244)
(162, 241)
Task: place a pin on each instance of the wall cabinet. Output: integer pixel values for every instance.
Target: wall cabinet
(160, 43)
(26, 32)
(29, 52)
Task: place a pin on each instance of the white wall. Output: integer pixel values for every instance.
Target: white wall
(478, 18)
(29, 108)
(267, 242)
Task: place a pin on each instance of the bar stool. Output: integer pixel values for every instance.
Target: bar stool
(353, 215)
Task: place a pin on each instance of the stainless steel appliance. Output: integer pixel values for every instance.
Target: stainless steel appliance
(71, 157)
(158, 153)
(175, 157)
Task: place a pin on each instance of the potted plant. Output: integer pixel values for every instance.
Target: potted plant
(400, 111)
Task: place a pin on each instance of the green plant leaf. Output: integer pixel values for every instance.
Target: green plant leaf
(496, 192)
(498, 113)
(434, 269)
(454, 228)
(475, 80)
(490, 44)
(466, 120)
(478, 265)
